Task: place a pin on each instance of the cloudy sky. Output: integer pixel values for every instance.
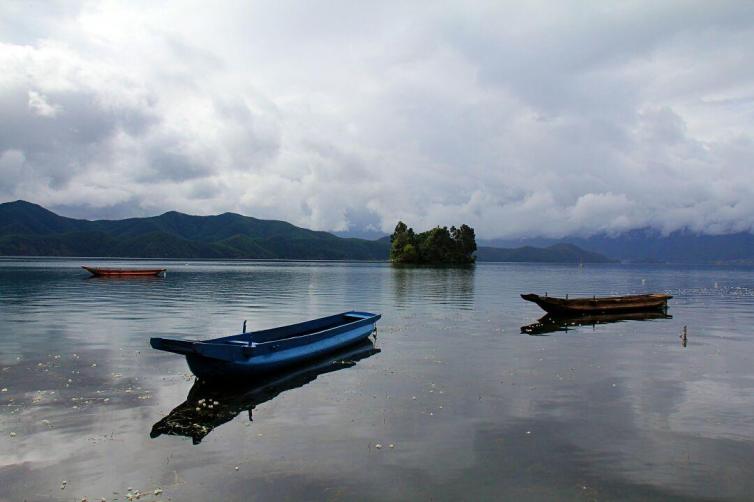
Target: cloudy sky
(542, 119)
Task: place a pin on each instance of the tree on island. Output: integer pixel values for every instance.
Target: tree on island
(438, 245)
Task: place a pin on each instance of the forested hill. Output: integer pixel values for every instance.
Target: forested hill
(28, 229)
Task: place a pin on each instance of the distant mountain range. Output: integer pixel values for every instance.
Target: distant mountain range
(557, 253)
(650, 246)
(371, 235)
(28, 229)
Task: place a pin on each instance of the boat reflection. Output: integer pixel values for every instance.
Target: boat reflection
(209, 405)
(553, 324)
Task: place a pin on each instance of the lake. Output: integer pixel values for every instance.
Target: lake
(453, 403)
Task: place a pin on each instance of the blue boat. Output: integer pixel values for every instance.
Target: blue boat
(259, 352)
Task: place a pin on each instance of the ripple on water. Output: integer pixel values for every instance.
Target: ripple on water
(474, 408)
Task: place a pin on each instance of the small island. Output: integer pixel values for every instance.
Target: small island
(436, 246)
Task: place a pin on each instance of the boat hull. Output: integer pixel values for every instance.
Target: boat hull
(124, 272)
(277, 349)
(600, 305)
(209, 368)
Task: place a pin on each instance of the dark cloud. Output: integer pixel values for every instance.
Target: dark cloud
(122, 210)
(165, 165)
(519, 119)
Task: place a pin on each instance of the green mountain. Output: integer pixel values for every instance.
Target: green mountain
(558, 253)
(28, 229)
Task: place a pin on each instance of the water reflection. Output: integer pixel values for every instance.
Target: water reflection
(453, 286)
(210, 405)
(553, 324)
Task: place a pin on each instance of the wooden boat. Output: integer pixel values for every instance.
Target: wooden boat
(253, 353)
(195, 418)
(124, 272)
(600, 304)
(552, 323)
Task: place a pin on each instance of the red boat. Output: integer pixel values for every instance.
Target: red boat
(125, 272)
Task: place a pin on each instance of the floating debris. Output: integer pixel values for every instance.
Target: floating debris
(378, 446)
(157, 491)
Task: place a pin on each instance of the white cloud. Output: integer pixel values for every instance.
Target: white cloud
(39, 105)
(533, 119)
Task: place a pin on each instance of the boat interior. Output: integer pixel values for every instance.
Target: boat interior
(253, 338)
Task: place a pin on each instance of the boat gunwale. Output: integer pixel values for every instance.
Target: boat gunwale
(533, 297)
(281, 344)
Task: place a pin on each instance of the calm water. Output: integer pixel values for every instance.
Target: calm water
(473, 408)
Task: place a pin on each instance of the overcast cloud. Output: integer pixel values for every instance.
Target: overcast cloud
(542, 119)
